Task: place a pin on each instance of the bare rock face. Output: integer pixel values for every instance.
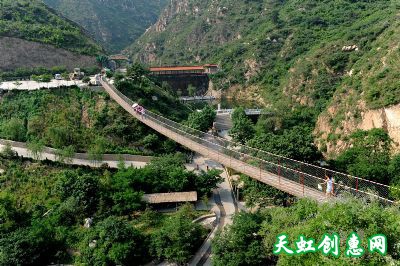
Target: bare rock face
(149, 55)
(175, 7)
(15, 53)
(252, 67)
(350, 48)
(385, 118)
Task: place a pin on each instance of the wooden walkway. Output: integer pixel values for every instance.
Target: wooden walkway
(283, 184)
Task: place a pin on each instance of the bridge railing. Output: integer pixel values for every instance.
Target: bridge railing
(306, 174)
(247, 111)
(303, 173)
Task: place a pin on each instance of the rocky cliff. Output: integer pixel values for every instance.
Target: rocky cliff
(368, 96)
(337, 58)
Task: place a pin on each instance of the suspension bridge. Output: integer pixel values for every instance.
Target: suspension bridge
(247, 111)
(291, 176)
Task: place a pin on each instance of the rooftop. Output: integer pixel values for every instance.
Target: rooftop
(170, 197)
(181, 68)
(174, 68)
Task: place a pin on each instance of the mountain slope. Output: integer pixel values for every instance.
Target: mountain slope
(116, 24)
(289, 53)
(33, 35)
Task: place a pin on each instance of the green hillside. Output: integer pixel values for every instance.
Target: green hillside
(33, 21)
(83, 121)
(116, 24)
(326, 55)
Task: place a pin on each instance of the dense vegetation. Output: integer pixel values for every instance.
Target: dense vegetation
(32, 20)
(202, 120)
(43, 209)
(242, 127)
(291, 53)
(278, 35)
(83, 120)
(86, 120)
(288, 134)
(138, 86)
(116, 24)
(370, 155)
(256, 194)
(250, 240)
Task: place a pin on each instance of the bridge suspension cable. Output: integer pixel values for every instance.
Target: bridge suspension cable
(292, 176)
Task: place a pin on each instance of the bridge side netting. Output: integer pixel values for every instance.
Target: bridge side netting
(306, 174)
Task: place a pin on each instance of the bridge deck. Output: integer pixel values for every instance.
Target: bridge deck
(286, 185)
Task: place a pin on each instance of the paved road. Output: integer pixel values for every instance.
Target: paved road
(33, 85)
(224, 207)
(79, 159)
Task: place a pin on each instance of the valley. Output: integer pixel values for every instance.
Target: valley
(187, 132)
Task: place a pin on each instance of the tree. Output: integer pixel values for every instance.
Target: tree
(102, 61)
(172, 244)
(66, 155)
(167, 174)
(36, 127)
(98, 149)
(36, 245)
(191, 90)
(394, 176)
(67, 213)
(395, 192)
(17, 84)
(394, 169)
(127, 200)
(7, 151)
(296, 143)
(313, 220)
(113, 241)
(86, 79)
(8, 213)
(118, 76)
(82, 187)
(14, 129)
(205, 182)
(109, 74)
(169, 146)
(368, 157)
(261, 195)
(59, 136)
(242, 128)
(202, 120)
(151, 142)
(137, 73)
(42, 78)
(240, 243)
(36, 148)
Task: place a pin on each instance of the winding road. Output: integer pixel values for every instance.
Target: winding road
(112, 160)
(224, 207)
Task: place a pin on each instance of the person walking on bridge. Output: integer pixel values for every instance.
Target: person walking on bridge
(329, 186)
